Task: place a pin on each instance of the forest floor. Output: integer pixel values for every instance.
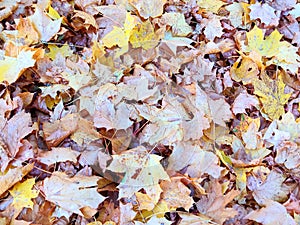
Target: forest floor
(130, 112)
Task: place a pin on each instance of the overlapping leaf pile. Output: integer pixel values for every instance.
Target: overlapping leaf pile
(149, 112)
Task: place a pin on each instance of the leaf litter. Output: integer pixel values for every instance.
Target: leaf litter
(149, 112)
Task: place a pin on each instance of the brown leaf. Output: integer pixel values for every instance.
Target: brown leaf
(214, 204)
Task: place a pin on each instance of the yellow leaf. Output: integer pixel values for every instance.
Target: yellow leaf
(11, 68)
(244, 69)
(177, 22)
(53, 13)
(267, 47)
(23, 194)
(282, 53)
(65, 51)
(159, 211)
(272, 96)
(144, 36)
(212, 6)
(120, 36)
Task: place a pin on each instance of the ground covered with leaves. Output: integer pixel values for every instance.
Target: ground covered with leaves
(149, 112)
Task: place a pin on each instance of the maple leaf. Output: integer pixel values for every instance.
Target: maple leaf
(272, 189)
(244, 69)
(148, 9)
(271, 94)
(143, 36)
(176, 194)
(120, 35)
(214, 204)
(212, 6)
(46, 27)
(142, 170)
(238, 13)
(12, 135)
(12, 67)
(212, 27)
(272, 213)
(244, 101)
(282, 53)
(198, 160)
(23, 194)
(287, 153)
(12, 176)
(72, 194)
(265, 13)
(177, 22)
(58, 155)
(54, 50)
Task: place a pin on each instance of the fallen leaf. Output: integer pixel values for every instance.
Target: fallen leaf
(271, 94)
(271, 189)
(278, 212)
(244, 69)
(23, 194)
(214, 203)
(11, 67)
(197, 160)
(148, 9)
(142, 170)
(265, 13)
(212, 6)
(144, 36)
(177, 22)
(12, 176)
(58, 155)
(45, 26)
(72, 194)
(244, 101)
(176, 194)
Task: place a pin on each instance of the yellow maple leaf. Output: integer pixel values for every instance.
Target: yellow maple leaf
(144, 36)
(54, 50)
(23, 194)
(177, 22)
(281, 53)
(244, 69)
(271, 94)
(11, 68)
(120, 35)
(212, 6)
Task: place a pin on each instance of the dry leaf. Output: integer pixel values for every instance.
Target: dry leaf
(142, 170)
(12, 176)
(72, 194)
(273, 213)
(272, 95)
(214, 204)
(23, 194)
